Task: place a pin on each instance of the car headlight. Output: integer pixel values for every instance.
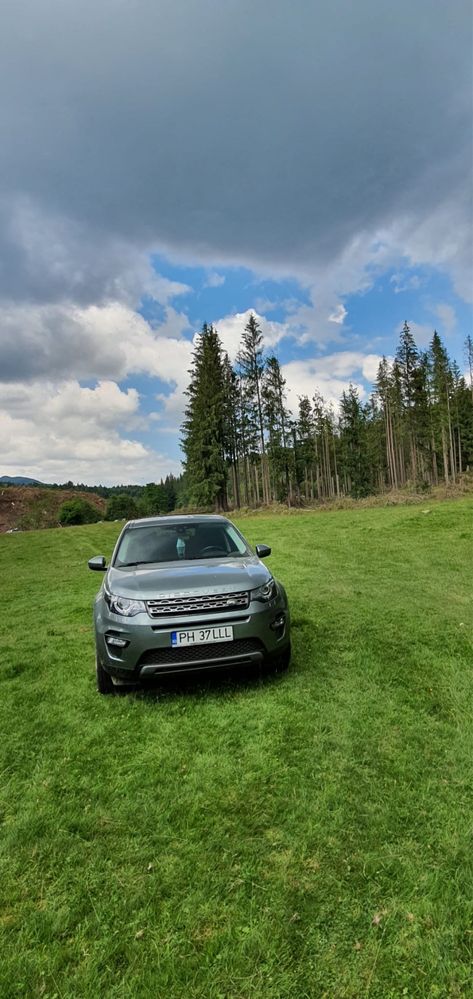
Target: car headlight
(122, 605)
(266, 592)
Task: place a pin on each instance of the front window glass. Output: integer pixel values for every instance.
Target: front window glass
(179, 542)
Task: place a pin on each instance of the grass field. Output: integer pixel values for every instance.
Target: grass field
(298, 836)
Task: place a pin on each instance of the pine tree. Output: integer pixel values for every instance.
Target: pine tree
(323, 451)
(441, 380)
(384, 393)
(251, 366)
(277, 423)
(170, 492)
(305, 432)
(469, 360)
(232, 441)
(421, 406)
(375, 444)
(353, 443)
(464, 411)
(204, 430)
(395, 390)
(407, 359)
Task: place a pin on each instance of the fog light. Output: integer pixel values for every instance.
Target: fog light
(278, 622)
(121, 643)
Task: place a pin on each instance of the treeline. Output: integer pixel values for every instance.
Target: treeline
(123, 504)
(160, 497)
(243, 446)
(143, 501)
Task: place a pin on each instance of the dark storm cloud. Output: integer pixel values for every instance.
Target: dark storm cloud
(261, 133)
(50, 342)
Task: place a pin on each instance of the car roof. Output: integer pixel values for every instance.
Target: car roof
(190, 518)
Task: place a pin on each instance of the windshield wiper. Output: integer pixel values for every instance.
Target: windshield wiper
(129, 565)
(177, 561)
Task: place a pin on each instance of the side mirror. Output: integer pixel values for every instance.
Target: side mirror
(98, 563)
(262, 551)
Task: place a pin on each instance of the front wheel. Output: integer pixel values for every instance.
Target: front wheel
(283, 660)
(105, 683)
(278, 664)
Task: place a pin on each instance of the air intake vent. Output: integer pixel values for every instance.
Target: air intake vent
(201, 653)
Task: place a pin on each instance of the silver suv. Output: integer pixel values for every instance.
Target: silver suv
(183, 594)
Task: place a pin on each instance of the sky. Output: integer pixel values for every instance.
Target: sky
(166, 164)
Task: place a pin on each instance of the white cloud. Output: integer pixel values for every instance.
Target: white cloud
(107, 341)
(330, 375)
(404, 282)
(422, 332)
(214, 280)
(64, 431)
(54, 428)
(263, 305)
(441, 238)
(447, 315)
(230, 329)
(338, 315)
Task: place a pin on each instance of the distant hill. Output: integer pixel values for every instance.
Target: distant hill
(27, 507)
(19, 480)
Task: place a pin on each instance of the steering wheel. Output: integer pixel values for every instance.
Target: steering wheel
(213, 548)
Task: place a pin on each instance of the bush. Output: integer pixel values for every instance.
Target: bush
(121, 506)
(78, 511)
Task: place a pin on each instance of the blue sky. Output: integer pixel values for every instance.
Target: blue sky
(169, 164)
(372, 321)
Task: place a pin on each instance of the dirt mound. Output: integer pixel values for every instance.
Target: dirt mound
(28, 508)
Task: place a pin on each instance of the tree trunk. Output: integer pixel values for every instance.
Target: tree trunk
(445, 456)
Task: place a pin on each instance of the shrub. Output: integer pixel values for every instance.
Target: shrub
(121, 506)
(78, 511)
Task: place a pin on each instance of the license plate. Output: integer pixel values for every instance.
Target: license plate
(201, 636)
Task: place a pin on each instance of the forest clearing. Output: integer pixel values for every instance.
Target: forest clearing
(297, 835)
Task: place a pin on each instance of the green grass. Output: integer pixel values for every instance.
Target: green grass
(302, 836)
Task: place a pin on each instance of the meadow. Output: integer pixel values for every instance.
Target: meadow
(282, 837)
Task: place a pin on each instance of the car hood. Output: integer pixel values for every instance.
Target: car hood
(200, 577)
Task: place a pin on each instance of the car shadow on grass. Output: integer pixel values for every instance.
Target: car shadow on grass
(230, 680)
(224, 682)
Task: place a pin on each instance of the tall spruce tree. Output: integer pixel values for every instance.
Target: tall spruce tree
(407, 358)
(251, 367)
(469, 360)
(354, 444)
(232, 438)
(205, 428)
(277, 421)
(323, 451)
(384, 393)
(305, 431)
(441, 391)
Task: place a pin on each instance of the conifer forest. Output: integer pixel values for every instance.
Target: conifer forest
(244, 447)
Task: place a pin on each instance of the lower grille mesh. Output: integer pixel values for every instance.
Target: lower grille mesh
(200, 653)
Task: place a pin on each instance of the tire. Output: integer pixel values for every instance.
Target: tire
(278, 664)
(282, 662)
(105, 683)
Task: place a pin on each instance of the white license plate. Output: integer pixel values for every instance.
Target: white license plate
(200, 636)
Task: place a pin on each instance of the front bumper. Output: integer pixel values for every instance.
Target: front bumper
(260, 632)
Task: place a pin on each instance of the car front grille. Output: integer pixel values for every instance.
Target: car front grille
(170, 606)
(200, 653)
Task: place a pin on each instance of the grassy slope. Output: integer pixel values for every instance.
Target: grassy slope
(297, 837)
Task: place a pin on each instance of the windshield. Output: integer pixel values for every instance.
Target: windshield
(179, 542)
